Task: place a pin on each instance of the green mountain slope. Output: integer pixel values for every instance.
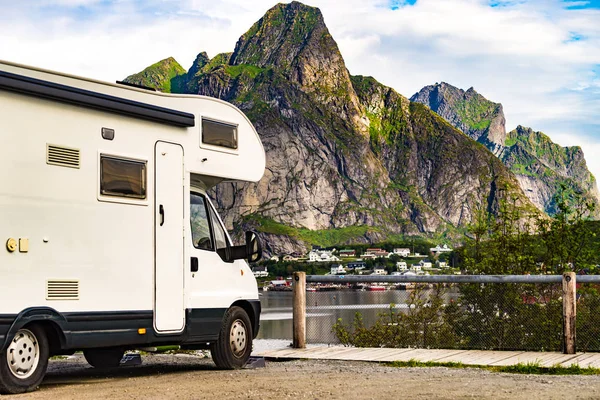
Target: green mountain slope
(541, 166)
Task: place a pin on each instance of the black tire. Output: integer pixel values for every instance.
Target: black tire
(21, 375)
(104, 357)
(234, 345)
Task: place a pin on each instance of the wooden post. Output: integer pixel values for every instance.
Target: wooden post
(569, 312)
(299, 310)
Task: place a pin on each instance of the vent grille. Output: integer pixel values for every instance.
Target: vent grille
(62, 290)
(62, 156)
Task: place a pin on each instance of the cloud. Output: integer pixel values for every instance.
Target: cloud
(540, 58)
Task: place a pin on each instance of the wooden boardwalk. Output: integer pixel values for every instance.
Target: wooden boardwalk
(466, 357)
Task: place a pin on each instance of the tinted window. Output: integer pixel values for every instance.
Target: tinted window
(219, 134)
(124, 178)
(201, 236)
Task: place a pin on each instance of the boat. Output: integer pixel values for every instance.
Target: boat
(376, 288)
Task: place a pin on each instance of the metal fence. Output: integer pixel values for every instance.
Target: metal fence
(451, 312)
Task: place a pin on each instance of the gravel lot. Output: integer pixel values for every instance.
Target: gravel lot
(191, 377)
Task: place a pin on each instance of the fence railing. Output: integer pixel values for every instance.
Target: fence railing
(533, 312)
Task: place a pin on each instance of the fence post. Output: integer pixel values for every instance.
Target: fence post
(299, 310)
(569, 312)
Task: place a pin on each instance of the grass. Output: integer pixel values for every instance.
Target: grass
(323, 237)
(521, 368)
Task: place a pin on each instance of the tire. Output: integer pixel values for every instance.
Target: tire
(234, 345)
(104, 357)
(23, 364)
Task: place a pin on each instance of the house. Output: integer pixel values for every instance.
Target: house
(337, 269)
(321, 256)
(347, 253)
(425, 264)
(379, 270)
(375, 253)
(416, 267)
(274, 258)
(402, 252)
(441, 264)
(357, 265)
(259, 271)
(401, 265)
(440, 249)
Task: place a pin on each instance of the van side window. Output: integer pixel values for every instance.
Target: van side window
(220, 236)
(201, 236)
(122, 177)
(219, 134)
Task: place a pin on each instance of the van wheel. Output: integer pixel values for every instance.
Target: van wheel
(104, 358)
(234, 345)
(23, 364)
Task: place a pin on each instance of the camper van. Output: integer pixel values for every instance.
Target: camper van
(110, 241)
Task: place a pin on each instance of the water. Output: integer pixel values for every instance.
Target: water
(323, 310)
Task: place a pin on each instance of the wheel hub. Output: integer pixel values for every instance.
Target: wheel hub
(237, 338)
(23, 354)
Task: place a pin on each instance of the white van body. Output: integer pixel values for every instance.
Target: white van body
(103, 268)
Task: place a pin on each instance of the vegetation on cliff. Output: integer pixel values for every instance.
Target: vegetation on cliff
(348, 159)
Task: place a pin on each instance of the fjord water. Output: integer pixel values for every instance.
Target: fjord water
(323, 309)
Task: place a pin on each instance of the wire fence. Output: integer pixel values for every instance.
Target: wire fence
(450, 312)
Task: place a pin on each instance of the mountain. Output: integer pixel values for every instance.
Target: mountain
(542, 167)
(348, 159)
(166, 75)
(470, 112)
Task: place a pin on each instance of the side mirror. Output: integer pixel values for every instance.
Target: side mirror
(253, 246)
(252, 250)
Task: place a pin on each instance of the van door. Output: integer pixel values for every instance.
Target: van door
(169, 311)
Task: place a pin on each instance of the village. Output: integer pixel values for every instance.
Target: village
(372, 261)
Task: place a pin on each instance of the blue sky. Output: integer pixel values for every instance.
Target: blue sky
(539, 58)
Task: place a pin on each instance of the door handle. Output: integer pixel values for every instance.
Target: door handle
(194, 264)
(161, 211)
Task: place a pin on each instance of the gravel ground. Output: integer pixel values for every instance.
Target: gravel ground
(185, 376)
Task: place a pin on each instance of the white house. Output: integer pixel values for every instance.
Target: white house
(416, 267)
(274, 258)
(440, 249)
(402, 252)
(259, 271)
(425, 264)
(441, 264)
(379, 270)
(401, 265)
(337, 270)
(321, 256)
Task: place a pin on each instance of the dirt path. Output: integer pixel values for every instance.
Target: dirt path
(189, 377)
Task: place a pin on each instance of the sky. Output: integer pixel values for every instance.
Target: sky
(539, 58)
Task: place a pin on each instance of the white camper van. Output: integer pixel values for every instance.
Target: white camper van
(109, 240)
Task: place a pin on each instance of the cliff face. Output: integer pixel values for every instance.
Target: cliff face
(470, 112)
(542, 167)
(348, 159)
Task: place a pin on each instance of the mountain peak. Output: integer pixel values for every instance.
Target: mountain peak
(293, 40)
(280, 36)
(165, 75)
(469, 111)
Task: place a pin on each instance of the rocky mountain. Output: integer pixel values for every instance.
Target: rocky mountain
(348, 159)
(479, 118)
(542, 167)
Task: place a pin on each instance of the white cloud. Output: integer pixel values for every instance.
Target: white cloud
(536, 57)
